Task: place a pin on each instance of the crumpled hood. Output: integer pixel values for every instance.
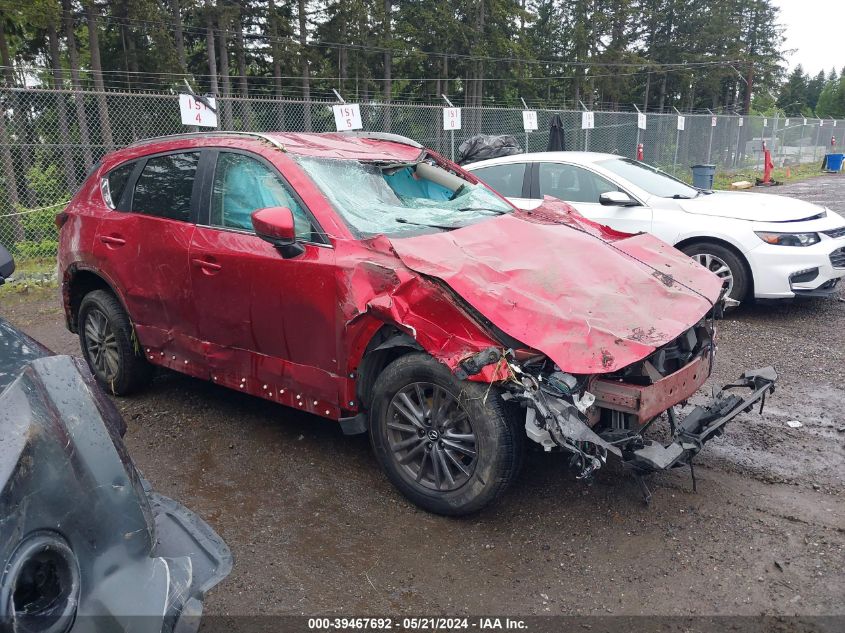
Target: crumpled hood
(757, 207)
(592, 299)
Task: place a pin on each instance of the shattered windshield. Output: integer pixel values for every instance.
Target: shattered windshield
(398, 200)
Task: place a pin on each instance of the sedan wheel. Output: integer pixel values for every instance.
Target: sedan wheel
(726, 264)
(719, 268)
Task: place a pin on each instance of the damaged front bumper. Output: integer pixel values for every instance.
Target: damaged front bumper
(563, 423)
(704, 422)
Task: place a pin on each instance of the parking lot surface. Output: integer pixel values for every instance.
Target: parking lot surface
(315, 527)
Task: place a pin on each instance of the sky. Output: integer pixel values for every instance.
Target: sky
(816, 30)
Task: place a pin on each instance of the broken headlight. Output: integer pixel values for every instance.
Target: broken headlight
(788, 239)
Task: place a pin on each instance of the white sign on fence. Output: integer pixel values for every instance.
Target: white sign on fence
(196, 112)
(681, 122)
(588, 120)
(641, 120)
(529, 120)
(451, 118)
(821, 122)
(786, 123)
(834, 122)
(805, 122)
(765, 123)
(347, 117)
(713, 121)
(740, 122)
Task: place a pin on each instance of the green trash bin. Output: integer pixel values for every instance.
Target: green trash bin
(702, 176)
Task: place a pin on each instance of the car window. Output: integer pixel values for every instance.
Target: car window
(115, 182)
(506, 179)
(572, 183)
(164, 187)
(242, 185)
(649, 178)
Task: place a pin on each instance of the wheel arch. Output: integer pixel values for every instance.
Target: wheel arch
(709, 239)
(386, 345)
(77, 283)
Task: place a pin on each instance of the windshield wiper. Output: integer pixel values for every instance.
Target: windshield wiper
(432, 226)
(496, 211)
(680, 196)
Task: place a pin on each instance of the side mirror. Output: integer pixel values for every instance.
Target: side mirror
(7, 264)
(275, 225)
(617, 199)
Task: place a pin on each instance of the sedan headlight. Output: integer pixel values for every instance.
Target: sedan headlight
(788, 239)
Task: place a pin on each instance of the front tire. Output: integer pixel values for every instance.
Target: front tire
(724, 263)
(108, 344)
(449, 446)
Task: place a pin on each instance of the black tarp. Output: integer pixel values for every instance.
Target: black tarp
(483, 146)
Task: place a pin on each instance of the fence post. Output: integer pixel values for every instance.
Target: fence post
(818, 137)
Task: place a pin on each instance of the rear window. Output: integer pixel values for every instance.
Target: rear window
(165, 185)
(114, 184)
(506, 179)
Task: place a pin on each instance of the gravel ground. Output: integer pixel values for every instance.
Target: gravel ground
(315, 527)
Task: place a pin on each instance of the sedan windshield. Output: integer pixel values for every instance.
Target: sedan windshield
(401, 200)
(650, 179)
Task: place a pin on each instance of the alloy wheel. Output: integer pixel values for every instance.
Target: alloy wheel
(431, 437)
(718, 267)
(101, 343)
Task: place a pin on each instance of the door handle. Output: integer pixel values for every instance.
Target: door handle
(111, 240)
(206, 265)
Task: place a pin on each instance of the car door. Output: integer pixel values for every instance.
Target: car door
(268, 323)
(512, 180)
(581, 188)
(142, 245)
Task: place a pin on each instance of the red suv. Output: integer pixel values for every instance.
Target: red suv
(365, 279)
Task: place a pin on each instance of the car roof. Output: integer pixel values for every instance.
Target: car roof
(581, 158)
(368, 146)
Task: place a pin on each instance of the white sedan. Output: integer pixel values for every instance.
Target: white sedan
(764, 246)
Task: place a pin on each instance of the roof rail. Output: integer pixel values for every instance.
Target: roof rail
(384, 136)
(259, 135)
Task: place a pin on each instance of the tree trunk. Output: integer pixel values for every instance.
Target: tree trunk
(647, 90)
(21, 121)
(97, 71)
(274, 48)
(11, 189)
(61, 108)
(662, 98)
(388, 65)
(178, 35)
(223, 53)
(240, 54)
(303, 55)
(76, 83)
(209, 48)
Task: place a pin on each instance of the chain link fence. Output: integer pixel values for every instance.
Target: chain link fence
(50, 139)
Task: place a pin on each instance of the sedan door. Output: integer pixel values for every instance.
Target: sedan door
(268, 323)
(581, 188)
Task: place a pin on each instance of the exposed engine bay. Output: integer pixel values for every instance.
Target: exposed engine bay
(591, 416)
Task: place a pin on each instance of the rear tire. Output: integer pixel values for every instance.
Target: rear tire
(109, 345)
(450, 446)
(725, 263)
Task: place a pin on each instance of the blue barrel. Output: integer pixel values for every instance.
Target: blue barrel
(702, 176)
(833, 162)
